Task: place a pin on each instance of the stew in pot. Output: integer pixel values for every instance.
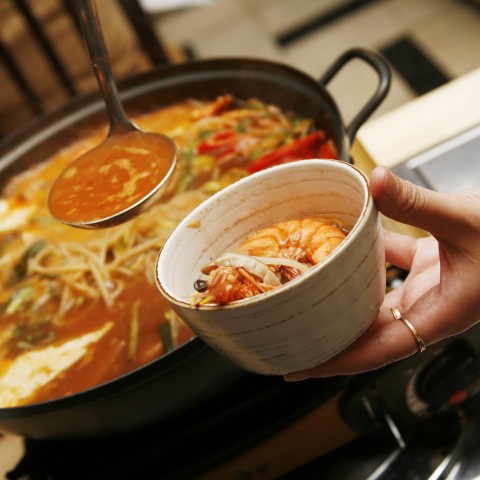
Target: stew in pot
(80, 307)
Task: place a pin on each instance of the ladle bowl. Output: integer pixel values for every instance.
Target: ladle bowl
(126, 173)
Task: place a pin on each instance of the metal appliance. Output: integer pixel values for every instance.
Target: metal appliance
(451, 166)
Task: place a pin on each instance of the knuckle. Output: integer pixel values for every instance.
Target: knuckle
(413, 199)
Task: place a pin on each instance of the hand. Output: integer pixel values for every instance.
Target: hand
(441, 294)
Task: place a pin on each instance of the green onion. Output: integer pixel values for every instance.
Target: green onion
(243, 125)
(204, 134)
(165, 331)
(19, 298)
(187, 174)
(21, 267)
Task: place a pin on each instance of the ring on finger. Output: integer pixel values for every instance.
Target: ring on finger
(421, 347)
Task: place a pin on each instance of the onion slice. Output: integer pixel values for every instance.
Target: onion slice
(252, 265)
(287, 262)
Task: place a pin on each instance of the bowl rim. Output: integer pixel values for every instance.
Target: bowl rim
(209, 204)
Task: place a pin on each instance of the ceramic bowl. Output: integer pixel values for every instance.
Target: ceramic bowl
(307, 320)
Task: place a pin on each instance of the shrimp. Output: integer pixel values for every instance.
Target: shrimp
(268, 259)
(234, 277)
(308, 240)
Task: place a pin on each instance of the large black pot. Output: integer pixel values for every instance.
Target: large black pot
(192, 373)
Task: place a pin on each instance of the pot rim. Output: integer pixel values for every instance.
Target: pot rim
(133, 86)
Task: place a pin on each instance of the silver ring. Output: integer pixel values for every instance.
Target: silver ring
(418, 339)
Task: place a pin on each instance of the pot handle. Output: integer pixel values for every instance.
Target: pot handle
(385, 77)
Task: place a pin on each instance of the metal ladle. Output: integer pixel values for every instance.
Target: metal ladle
(128, 171)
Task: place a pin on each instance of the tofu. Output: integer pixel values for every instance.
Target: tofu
(32, 370)
(14, 217)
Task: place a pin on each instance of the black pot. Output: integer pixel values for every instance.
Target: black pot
(192, 373)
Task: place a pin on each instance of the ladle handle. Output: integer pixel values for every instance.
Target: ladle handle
(87, 14)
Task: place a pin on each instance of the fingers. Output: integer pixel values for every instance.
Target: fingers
(388, 340)
(399, 249)
(407, 203)
(435, 309)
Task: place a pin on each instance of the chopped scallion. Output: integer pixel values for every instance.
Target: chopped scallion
(19, 298)
(21, 267)
(165, 331)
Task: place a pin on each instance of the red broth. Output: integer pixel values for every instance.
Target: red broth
(109, 179)
(80, 307)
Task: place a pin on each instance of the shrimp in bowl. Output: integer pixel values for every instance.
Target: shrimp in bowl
(268, 259)
(283, 269)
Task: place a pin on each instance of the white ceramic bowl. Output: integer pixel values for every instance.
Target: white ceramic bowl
(308, 320)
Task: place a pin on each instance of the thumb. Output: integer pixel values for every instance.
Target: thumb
(407, 203)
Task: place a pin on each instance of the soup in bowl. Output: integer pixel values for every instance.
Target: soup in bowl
(279, 323)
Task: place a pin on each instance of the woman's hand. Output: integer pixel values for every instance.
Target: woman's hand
(441, 295)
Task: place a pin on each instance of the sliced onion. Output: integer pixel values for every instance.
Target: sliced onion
(286, 262)
(249, 263)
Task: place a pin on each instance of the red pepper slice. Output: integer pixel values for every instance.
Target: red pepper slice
(327, 150)
(218, 143)
(214, 108)
(306, 147)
